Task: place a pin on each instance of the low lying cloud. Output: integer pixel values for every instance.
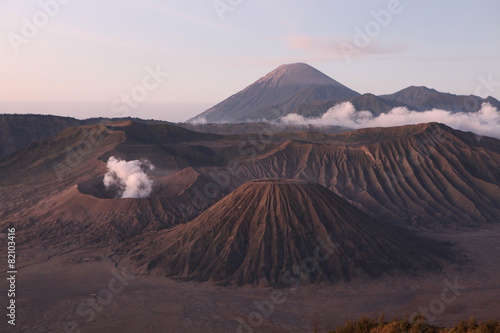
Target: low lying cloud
(128, 179)
(198, 121)
(486, 121)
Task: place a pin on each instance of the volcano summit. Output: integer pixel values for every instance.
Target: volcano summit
(276, 94)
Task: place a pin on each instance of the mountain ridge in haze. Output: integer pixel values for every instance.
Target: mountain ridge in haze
(365, 102)
(412, 98)
(300, 88)
(421, 98)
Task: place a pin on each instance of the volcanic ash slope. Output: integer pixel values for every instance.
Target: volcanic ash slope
(260, 231)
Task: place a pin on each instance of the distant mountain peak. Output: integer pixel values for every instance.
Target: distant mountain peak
(289, 85)
(297, 74)
(422, 98)
(419, 88)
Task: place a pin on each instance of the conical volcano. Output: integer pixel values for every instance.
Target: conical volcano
(268, 231)
(276, 94)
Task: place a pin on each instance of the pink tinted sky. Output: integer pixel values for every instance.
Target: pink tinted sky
(90, 53)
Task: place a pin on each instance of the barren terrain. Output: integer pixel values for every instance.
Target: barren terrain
(50, 292)
(74, 236)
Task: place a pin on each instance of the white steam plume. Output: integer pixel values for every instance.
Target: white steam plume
(486, 121)
(129, 178)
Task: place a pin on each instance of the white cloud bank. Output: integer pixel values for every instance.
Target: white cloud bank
(486, 121)
(129, 179)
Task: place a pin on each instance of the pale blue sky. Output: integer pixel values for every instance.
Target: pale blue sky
(94, 51)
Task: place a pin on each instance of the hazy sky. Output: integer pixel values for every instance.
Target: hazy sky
(96, 51)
